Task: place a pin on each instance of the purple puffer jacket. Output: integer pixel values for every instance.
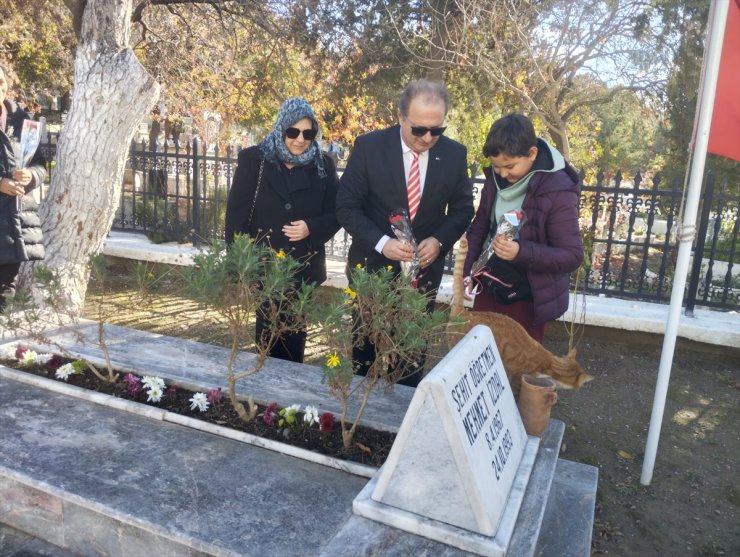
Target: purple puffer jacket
(550, 240)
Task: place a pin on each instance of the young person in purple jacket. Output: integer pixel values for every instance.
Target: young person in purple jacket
(527, 173)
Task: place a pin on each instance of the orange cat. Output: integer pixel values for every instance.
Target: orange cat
(520, 353)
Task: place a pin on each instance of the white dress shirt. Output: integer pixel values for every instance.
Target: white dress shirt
(407, 159)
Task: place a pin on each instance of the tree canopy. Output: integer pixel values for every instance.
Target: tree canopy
(38, 39)
(605, 81)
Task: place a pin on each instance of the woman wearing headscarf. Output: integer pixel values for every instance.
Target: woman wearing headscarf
(283, 195)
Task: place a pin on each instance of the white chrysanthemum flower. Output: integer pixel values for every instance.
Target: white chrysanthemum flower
(43, 358)
(149, 381)
(311, 415)
(199, 401)
(293, 408)
(29, 357)
(63, 372)
(155, 393)
(7, 352)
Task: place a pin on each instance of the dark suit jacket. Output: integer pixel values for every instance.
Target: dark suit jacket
(374, 185)
(285, 196)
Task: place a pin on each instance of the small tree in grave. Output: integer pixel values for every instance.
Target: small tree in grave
(236, 281)
(31, 316)
(385, 309)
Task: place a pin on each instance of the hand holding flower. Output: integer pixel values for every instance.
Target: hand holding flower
(22, 176)
(506, 248)
(468, 292)
(409, 254)
(506, 231)
(429, 251)
(396, 250)
(11, 187)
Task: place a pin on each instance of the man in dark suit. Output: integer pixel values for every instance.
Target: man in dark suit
(375, 184)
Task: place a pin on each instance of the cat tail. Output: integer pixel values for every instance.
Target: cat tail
(458, 288)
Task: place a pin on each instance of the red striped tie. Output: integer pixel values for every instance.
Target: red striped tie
(413, 188)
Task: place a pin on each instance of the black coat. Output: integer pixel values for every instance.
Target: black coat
(285, 195)
(20, 227)
(374, 184)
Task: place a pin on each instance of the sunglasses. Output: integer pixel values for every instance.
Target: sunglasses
(420, 131)
(308, 135)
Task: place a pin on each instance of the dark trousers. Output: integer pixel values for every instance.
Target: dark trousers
(290, 346)
(8, 273)
(363, 356)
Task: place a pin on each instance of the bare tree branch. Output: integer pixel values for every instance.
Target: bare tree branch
(541, 52)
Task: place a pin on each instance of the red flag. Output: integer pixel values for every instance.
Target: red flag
(724, 135)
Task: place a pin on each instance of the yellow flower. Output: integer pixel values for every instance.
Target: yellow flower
(351, 293)
(359, 265)
(389, 267)
(280, 254)
(332, 360)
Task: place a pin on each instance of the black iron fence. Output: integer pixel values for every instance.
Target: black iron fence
(630, 230)
(176, 195)
(629, 226)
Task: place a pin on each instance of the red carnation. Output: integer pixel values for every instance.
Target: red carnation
(326, 422)
(270, 415)
(55, 362)
(133, 384)
(214, 396)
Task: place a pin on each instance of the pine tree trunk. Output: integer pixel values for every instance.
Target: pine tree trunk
(112, 92)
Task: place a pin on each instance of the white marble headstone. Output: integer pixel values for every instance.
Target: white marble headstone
(458, 451)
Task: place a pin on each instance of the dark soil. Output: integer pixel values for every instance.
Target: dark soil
(692, 505)
(369, 446)
(691, 508)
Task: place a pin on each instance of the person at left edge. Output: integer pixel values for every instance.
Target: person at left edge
(294, 207)
(20, 227)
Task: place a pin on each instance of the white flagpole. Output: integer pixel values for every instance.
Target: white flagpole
(715, 36)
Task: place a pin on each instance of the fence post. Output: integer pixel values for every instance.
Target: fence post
(196, 197)
(699, 245)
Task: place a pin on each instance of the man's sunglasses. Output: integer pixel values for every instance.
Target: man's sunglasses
(420, 131)
(308, 135)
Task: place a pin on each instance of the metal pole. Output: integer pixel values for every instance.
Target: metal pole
(699, 248)
(715, 36)
(196, 195)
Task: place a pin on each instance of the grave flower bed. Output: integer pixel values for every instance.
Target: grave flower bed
(302, 426)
